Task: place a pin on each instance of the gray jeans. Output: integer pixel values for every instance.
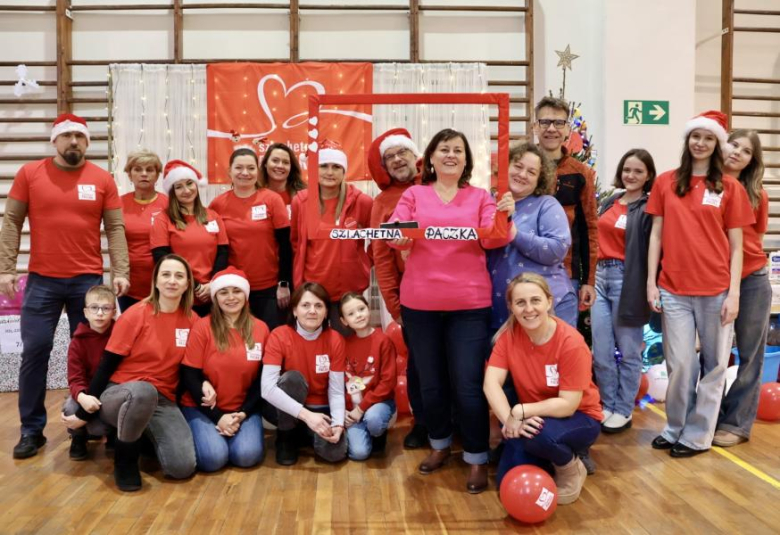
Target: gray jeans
(739, 407)
(136, 408)
(294, 385)
(94, 427)
(691, 410)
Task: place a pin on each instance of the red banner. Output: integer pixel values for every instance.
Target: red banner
(258, 104)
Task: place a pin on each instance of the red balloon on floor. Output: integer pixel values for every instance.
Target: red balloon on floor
(528, 494)
(402, 396)
(394, 333)
(769, 402)
(644, 386)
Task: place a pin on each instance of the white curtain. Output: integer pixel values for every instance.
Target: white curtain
(161, 108)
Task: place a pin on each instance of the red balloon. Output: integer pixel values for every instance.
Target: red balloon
(528, 494)
(644, 386)
(769, 402)
(402, 396)
(394, 333)
(401, 362)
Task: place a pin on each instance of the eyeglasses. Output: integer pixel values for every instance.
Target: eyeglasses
(105, 309)
(560, 124)
(403, 153)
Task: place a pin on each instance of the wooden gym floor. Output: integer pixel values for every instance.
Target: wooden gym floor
(635, 490)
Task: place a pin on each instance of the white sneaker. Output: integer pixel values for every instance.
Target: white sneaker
(607, 415)
(616, 423)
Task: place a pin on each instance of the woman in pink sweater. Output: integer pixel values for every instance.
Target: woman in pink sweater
(445, 298)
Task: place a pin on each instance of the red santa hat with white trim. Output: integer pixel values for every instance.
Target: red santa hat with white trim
(178, 170)
(227, 278)
(330, 152)
(395, 137)
(713, 121)
(67, 122)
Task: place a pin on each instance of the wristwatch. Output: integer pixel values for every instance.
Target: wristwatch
(284, 284)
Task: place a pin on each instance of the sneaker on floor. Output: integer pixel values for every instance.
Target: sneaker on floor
(616, 423)
(28, 446)
(78, 448)
(590, 464)
(607, 414)
(726, 439)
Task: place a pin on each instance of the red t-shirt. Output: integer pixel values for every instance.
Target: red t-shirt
(694, 241)
(232, 372)
(753, 248)
(541, 372)
(322, 263)
(372, 359)
(152, 346)
(65, 209)
(313, 358)
(196, 243)
(250, 225)
(139, 218)
(612, 232)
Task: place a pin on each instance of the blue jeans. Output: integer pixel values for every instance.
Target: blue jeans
(691, 410)
(555, 444)
(373, 424)
(44, 298)
(450, 348)
(739, 407)
(568, 308)
(413, 384)
(213, 451)
(618, 383)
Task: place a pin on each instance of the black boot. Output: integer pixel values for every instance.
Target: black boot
(126, 473)
(417, 437)
(286, 448)
(78, 447)
(378, 444)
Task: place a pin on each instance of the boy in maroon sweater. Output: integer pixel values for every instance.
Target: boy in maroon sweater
(84, 354)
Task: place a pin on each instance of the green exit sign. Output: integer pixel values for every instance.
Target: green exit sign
(645, 112)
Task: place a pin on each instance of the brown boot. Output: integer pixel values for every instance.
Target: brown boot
(434, 461)
(570, 478)
(478, 479)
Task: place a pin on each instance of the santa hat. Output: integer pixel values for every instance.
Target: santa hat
(712, 121)
(178, 170)
(67, 122)
(330, 152)
(396, 137)
(229, 277)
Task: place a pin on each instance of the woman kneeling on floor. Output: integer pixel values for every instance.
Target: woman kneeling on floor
(303, 377)
(559, 411)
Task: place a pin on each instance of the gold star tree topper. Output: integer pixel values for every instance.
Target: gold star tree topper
(565, 58)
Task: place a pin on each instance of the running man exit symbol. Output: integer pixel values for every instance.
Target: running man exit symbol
(637, 112)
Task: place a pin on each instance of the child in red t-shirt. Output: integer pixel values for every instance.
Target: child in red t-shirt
(84, 354)
(559, 412)
(370, 380)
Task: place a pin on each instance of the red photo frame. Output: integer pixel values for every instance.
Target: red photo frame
(316, 229)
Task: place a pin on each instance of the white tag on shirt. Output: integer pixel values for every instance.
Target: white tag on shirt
(712, 199)
(212, 227)
(255, 354)
(322, 363)
(551, 371)
(155, 214)
(259, 212)
(621, 221)
(87, 192)
(181, 337)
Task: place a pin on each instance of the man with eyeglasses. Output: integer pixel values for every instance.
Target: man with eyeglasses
(392, 161)
(65, 199)
(576, 192)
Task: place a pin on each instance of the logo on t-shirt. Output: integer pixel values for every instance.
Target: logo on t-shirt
(621, 221)
(181, 337)
(87, 192)
(322, 363)
(255, 353)
(212, 226)
(154, 214)
(712, 199)
(551, 371)
(259, 212)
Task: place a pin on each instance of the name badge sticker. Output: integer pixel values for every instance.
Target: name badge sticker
(621, 221)
(255, 353)
(87, 192)
(712, 199)
(212, 227)
(551, 371)
(322, 363)
(259, 212)
(181, 337)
